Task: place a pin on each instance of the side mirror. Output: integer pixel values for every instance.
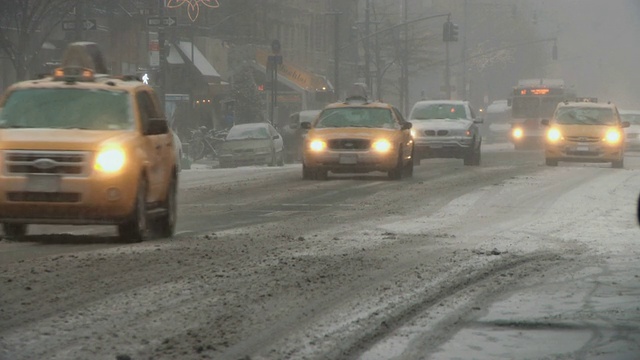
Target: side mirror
(275, 137)
(478, 121)
(305, 125)
(626, 124)
(157, 126)
(407, 126)
(544, 122)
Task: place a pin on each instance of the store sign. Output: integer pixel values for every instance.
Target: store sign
(193, 6)
(154, 53)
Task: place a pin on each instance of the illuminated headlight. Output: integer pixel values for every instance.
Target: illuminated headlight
(554, 135)
(110, 160)
(382, 146)
(413, 133)
(613, 136)
(317, 145)
(517, 133)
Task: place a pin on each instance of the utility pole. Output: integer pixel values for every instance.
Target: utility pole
(336, 53)
(79, 17)
(405, 67)
(447, 68)
(367, 53)
(161, 46)
(465, 95)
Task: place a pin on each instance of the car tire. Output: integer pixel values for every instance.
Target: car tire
(397, 172)
(408, 168)
(473, 157)
(135, 228)
(274, 159)
(281, 158)
(551, 162)
(307, 173)
(166, 223)
(619, 164)
(14, 231)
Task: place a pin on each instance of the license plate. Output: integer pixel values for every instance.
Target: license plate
(435, 146)
(349, 159)
(43, 183)
(582, 148)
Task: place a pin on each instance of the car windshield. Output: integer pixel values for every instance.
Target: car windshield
(585, 116)
(356, 117)
(439, 111)
(67, 109)
(633, 119)
(248, 133)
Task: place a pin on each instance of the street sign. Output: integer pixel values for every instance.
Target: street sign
(87, 24)
(166, 21)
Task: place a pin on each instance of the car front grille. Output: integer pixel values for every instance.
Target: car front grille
(583, 139)
(25, 162)
(349, 144)
(436, 133)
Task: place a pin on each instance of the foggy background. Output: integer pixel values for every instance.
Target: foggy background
(598, 46)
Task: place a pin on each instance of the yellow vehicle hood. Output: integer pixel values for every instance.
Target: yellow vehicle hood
(353, 133)
(59, 139)
(584, 130)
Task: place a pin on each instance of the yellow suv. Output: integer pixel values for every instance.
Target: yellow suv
(83, 148)
(358, 136)
(585, 132)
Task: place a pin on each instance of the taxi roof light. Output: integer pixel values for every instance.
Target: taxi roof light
(73, 74)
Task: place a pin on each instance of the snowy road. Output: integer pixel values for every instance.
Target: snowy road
(458, 262)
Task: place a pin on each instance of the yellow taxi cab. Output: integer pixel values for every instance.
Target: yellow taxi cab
(585, 132)
(358, 136)
(82, 148)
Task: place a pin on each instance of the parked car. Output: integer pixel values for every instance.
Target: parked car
(632, 133)
(585, 132)
(446, 129)
(252, 144)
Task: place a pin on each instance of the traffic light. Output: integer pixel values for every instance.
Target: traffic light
(453, 32)
(450, 32)
(446, 31)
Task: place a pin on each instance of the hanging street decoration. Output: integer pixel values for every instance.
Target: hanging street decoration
(193, 6)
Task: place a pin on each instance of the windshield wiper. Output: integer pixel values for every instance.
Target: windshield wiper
(16, 127)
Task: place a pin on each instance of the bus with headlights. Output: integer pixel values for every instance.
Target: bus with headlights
(532, 101)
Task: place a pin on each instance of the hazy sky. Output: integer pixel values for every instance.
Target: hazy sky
(599, 46)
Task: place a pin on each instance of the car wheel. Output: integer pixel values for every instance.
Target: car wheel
(135, 228)
(281, 158)
(473, 157)
(551, 162)
(618, 164)
(14, 231)
(274, 158)
(166, 224)
(396, 172)
(408, 168)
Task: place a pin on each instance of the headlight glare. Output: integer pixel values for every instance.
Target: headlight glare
(317, 145)
(381, 146)
(554, 135)
(110, 160)
(613, 136)
(517, 133)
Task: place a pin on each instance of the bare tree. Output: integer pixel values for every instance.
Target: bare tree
(25, 25)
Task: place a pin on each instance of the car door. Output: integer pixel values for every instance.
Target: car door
(154, 146)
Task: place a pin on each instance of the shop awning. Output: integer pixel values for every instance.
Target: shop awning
(199, 61)
(294, 76)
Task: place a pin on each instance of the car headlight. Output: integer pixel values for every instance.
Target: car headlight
(517, 133)
(110, 160)
(554, 135)
(317, 145)
(382, 146)
(613, 136)
(413, 133)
